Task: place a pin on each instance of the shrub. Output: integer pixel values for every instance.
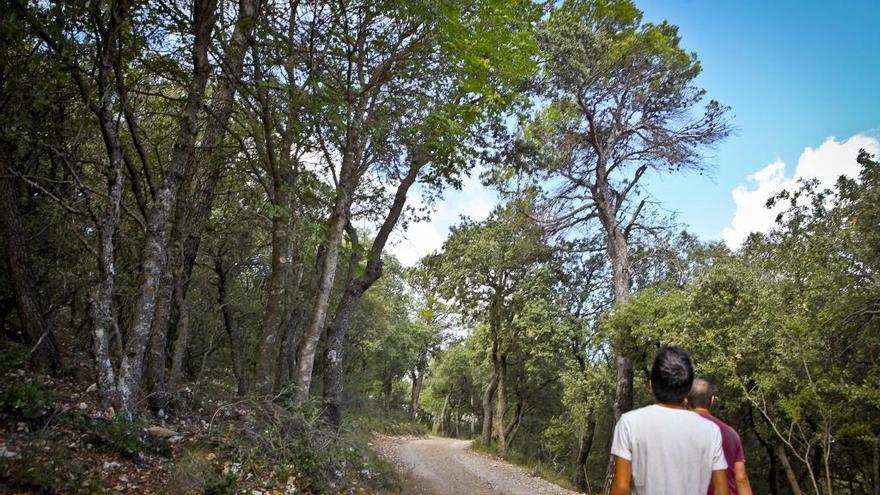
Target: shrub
(26, 398)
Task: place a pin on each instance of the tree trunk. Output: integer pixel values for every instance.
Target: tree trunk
(418, 380)
(39, 335)
(586, 444)
(308, 346)
(387, 392)
(789, 472)
(515, 422)
(876, 465)
(235, 344)
(7, 306)
(333, 372)
(157, 357)
(501, 406)
(488, 395)
(194, 207)
(292, 322)
(287, 352)
(101, 308)
(826, 458)
(269, 348)
(472, 417)
(355, 289)
(440, 421)
(771, 455)
(618, 253)
(106, 223)
(179, 355)
(155, 248)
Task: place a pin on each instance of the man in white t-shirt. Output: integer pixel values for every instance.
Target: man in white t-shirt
(665, 449)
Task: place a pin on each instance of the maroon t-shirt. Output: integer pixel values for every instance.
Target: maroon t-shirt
(733, 451)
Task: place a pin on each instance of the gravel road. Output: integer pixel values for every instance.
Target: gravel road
(440, 466)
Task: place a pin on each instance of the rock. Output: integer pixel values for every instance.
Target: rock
(123, 478)
(161, 432)
(8, 454)
(111, 413)
(83, 406)
(111, 465)
(92, 388)
(232, 469)
(290, 486)
(211, 456)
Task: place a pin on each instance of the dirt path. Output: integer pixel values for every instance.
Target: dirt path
(439, 466)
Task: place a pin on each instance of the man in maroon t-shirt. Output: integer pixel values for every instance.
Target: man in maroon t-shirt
(700, 399)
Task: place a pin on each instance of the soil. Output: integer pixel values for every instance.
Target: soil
(435, 466)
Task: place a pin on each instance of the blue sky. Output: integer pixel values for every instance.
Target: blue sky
(794, 73)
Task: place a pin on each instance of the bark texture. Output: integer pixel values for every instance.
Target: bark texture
(107, 222)
(338, 222)
(36, 328)
(155, 249)
(584, 448)
(488, 395)
(439, 426)
(618, 253)
(417, 376)
(269, 347)
(789, 472)
(501, 406)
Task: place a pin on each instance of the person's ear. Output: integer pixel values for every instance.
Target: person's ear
(687, 403)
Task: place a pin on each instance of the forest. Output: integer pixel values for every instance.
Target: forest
(197, 201)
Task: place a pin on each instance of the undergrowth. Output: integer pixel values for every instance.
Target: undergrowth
(65, 442)
(293, 446)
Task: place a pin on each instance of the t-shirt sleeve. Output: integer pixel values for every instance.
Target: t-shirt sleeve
(718, 460)
(739, 455)
(621, 446)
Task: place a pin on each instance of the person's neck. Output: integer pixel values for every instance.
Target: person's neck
(670, 405)
(702, 410)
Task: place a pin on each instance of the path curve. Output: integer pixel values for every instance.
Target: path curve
(440, 466)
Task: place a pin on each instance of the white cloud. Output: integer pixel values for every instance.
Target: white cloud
(423, 238)
(420, 239)
(825, 163)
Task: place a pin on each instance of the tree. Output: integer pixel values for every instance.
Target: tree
(481, 268)
(450, 99)
(16, 103)
(621, 96)
(192, 211)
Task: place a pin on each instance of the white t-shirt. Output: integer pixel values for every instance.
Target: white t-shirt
(673, 451)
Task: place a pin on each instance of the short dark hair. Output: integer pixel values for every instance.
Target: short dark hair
(672, 375)
(700, 394)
